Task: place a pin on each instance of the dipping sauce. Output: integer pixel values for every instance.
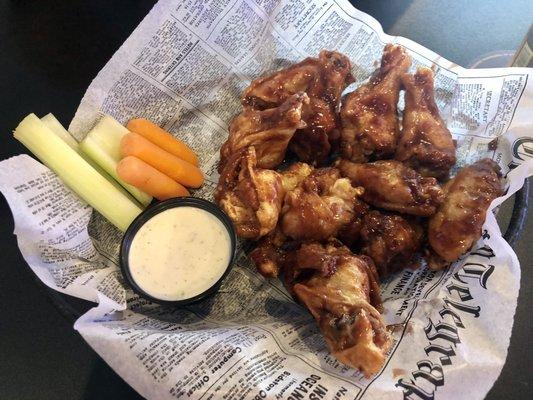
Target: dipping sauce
(179, 253)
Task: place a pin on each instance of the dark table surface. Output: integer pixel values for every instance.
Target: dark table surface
(49, 53)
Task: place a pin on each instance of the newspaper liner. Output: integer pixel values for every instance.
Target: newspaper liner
(184, 68)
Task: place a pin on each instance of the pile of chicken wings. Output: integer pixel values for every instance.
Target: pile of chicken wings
(368, 196)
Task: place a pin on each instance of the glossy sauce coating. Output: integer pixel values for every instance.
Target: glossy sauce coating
(457, 224)
(391, 185)
(370, 128)
(179, 253)
(323, 79)
(426, 144)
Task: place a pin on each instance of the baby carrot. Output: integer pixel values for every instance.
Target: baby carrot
(148, 179)
(163, 139)
(181, 171)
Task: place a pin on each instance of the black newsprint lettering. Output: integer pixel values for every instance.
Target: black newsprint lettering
(340, 393)
(198, 385)
(447, 352)
(404, 280)
(456, 319)
(474, 310)
(261, 395)
(410, 388)
(278, 380)
(304, 387)
(319, 392)
(430, 372)
(225, 359)
(443, 335)
(522, 150)
(462, 290)
(442, 330)
(427, 371)
(478, 271)
(403, 307)
(484, 251)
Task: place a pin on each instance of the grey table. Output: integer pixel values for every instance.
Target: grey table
(50, 51)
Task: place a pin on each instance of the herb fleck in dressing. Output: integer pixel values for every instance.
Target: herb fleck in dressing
(179, 253)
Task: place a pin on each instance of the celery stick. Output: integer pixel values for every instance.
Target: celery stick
(102, 145)
(55, 126)
(77, 173)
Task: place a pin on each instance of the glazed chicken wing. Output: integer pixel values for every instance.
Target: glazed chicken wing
(319, 207)
(391, 241)
(426, 144)
(294, 175)
(393, 186)
(369, 114)
(350, 233)
(323, 79)
(269, 131)
(270, 254)
(314, 143)
(341, 291)
(344, 221)
(457, 224)
(251, 196)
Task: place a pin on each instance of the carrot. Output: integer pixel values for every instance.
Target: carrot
(181, 171)
(148, 179)
(163, 139)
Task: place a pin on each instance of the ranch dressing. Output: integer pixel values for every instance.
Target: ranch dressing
(179, 253)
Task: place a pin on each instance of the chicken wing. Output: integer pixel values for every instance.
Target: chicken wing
(369, 114)
(294, 175)
(269, 256)
(391, 241)
(341, 291)
(269, 131)
(350, 233)
(314, 143)
(394, 186)
(252, 197)
(457, 224)
(426, 144)
(323, 79)
(270, 253)
(319, 207)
